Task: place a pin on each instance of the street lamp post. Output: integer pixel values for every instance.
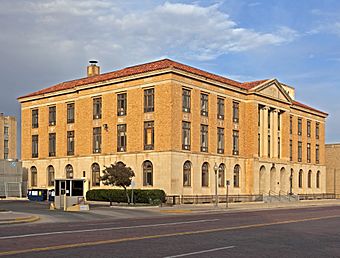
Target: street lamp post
(227, 195)
(216, 196)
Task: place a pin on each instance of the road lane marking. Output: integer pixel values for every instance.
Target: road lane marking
(114, 241)
(201, 252)
(107, 229)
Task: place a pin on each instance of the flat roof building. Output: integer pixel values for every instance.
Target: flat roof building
(179, 128)
(8, 137)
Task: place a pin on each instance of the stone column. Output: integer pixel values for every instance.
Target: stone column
(264, 131)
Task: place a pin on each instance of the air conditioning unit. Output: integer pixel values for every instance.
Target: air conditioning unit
(97, 116)
(121, 149)
(52, 123)
(96, 151)
(235, 152)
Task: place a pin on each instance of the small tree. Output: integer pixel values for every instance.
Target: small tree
(118, 174)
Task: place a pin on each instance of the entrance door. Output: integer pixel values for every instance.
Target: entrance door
(62, 192)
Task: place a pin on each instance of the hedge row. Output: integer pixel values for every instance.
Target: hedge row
(155, 196)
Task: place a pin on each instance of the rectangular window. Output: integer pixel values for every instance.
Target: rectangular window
(278, 147)
(259, 145)
(149, 135)
(299, 151)
(308, 128)
(186, 100)
(235, 112)
(291, 150)
(308, 152)
(220, 140)
(269, 119)
(6, 131)
(290, 124)
(259, 116)
(121, 104)
(35, 146)
(97, 108)
(299, 126)
(149, 98)
(121, 138)
(317, 153)
(35, 118)
(204, 138)
(235, 142)
(268, 146)
(204, 104)
(97, 139)
(317, 130)
(186, 135)
(220, 108)
(52, 145)
(6, 150)
(278, 121)
(52, 116)
(70, 143)
(70, 113)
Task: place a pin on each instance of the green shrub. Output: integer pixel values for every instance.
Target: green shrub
(155, 196)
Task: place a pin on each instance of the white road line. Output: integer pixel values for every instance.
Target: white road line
(201, 252)
(106, 229)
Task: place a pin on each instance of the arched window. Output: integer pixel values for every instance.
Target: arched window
(95, 174)
(205, 174)
(309, 179)
(318, 179)
(34, 176)
(50, 175)
(300, 178)
(237, 176)
(69, 171)
(187, 173)
(221, 170)
(147, 173)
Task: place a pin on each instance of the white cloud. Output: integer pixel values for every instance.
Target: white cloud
(106, 30)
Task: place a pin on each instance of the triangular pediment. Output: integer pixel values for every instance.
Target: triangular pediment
(273, 89)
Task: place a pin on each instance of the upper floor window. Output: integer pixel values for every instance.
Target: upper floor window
(299, 126)
(70, 113)
(236, 111)
(308, 128)
(35, 118)
(52, 116)
(220, 140)
(186, 100)
(317, 129)
(149, 135)
(121, 104)
(149, 99)
(290, 150)
(121, 137)
(35, 146)
(97, 139)
(6, 149)
(317, 155)
(186, 135)
(235, 142)
(299, 151)
(6, 131)
(70, 143)
(204, 104)
(278, 121)
(204, 138)
(52, 145)
(220, 108)
(97, 108)
(290, 124)
(308, 152)
(278, 147)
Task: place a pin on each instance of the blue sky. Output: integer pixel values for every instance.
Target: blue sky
(44, 42)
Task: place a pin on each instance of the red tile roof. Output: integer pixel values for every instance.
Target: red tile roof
(150, 67)
(299, 104)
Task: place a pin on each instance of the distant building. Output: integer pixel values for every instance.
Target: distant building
(333, 168)
(8, 137)
(179, 128)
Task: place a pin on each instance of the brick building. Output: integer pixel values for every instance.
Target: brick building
(179, 128)
(333, 168)
(8, 137)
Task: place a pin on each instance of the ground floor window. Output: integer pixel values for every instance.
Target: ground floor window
(187, 173)
(147, 173)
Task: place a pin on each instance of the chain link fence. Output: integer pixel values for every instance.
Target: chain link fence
(13, 180)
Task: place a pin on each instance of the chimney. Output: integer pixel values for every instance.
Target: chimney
(93, 69)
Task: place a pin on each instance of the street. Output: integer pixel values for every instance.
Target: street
(307, 232)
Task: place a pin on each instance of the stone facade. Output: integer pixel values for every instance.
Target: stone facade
(258, 119)
(8, 137)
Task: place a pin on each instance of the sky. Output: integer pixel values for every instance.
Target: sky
(44, 42)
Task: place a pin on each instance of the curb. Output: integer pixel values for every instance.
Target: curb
(20, 220)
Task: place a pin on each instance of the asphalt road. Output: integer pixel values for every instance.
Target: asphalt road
(308, 232)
